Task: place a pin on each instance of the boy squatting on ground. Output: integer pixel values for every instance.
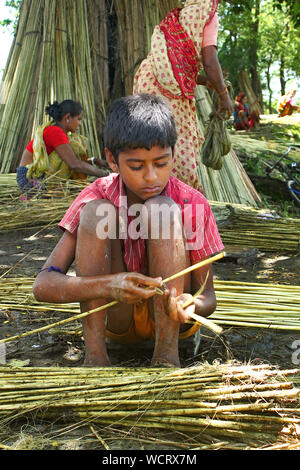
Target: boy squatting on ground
(139, 139)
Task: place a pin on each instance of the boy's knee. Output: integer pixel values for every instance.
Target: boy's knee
(163, 217)
(97, 212)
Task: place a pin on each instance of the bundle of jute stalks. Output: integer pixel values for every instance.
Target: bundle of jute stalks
(255, 406)
(217, 141)
(48, 61)
(31, 214)
(44, 208)
(258, 305)
(260, 228)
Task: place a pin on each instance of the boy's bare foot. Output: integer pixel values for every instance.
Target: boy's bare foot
(96, 361)
(166, 348)
(166, 351)
(96, 355)
(162, 362)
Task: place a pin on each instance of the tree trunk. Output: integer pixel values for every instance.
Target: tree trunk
(281, 75)
(253, 56)
(268, 77)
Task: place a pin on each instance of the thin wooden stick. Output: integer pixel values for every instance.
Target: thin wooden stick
(208, 323)
(102, 441)
(19, 262)
(199, 292)
(204, 321)
(196, 266)
(103, 307)
(61, 322)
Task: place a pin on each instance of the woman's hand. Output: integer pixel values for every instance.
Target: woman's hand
(101, 172)
(67, 154)
(99, 162)
(102, 166)
(131, 288)
(225, 106)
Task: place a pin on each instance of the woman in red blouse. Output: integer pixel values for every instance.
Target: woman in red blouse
(67, 117)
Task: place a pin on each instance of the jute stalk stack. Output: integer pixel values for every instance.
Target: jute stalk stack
(44, 209)
(136, 22)
(252, 405)
(54, 63)
(264, 151)
(14, 122)
(100, 59)
(257, 228)
(257, 305)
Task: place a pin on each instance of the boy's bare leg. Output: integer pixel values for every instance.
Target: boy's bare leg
(95, 256)
(166, 257)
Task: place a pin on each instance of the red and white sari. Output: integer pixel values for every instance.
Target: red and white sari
(171, 69)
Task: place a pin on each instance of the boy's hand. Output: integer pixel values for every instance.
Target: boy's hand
(130, 288)
(174, 306)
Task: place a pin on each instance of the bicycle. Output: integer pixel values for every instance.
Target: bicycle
(289, 171)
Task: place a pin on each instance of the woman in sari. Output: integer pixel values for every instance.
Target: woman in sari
(243, 118)
(57, 150)
(286, 105)
(182, 45)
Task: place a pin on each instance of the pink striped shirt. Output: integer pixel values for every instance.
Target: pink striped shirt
(198, 220)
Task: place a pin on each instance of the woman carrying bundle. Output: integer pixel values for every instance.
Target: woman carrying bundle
(243, 118)
(183, 44)
(57, 150)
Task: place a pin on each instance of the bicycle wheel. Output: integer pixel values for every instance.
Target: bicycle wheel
(294, 190)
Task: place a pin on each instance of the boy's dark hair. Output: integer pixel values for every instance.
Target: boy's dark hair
(139, 121)
(58, 110)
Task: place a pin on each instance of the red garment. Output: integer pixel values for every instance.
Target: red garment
(194, 208)
(53, 136)
(181, 52)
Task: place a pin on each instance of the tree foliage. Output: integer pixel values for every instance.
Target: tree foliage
(12, 4)
(259, 36)
(292, 7)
